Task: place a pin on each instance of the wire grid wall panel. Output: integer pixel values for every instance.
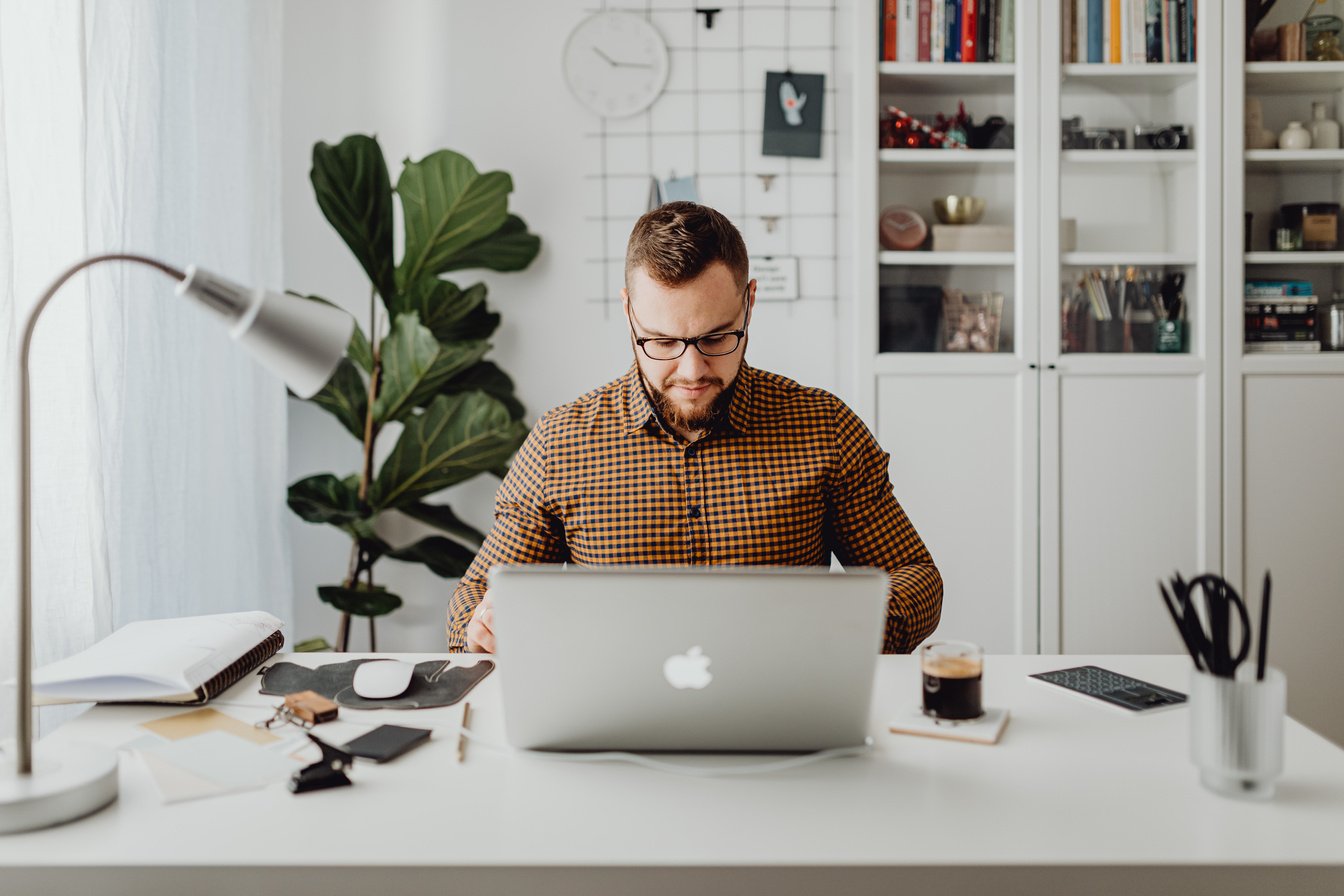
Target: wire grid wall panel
(708, 123)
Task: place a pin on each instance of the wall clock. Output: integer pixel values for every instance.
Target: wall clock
(615, 63)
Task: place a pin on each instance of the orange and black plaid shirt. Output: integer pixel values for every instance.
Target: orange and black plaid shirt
(789, 477)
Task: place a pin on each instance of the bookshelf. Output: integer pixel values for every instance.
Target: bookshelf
(1282, 428)
(1007, 461)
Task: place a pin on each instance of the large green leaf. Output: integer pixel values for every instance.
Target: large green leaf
(510, 248)
(355, 194)
(444, 557)
(362, 600)
(489, 379)
(450, 313)
(359, 350)
(416, 365)
(441, 516)
(457, 437)
(325, 499)
(448, 205)
(346, 396)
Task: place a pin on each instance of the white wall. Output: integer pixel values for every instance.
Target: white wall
(466, 75)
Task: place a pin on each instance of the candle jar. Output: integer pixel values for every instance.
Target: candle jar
(1317, 222)
(1323, 38)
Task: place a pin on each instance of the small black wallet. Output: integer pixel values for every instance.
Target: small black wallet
(387, 742)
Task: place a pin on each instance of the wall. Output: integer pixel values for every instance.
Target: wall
(465, 75)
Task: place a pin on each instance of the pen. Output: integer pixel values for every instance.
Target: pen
(1264, 631)
(462, 732)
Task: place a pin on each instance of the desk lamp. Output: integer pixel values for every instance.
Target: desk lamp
(299, 340)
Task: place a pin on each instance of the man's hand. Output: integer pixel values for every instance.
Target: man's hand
(480, 630)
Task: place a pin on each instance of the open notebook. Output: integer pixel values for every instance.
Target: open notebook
(185, 660)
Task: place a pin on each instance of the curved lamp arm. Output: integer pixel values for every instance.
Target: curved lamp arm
(299, 339)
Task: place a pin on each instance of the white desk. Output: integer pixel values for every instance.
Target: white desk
(1075, 798)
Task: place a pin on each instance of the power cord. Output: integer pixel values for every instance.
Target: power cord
(675, 768)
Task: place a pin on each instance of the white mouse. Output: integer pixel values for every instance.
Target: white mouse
(381, 679)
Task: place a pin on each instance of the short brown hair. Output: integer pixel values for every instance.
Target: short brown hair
(675, 242)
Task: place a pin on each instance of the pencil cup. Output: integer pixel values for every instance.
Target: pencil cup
(1236, 733)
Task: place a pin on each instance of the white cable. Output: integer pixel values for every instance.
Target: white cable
(679, 769)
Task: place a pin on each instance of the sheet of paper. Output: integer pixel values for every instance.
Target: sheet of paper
(225, 760)
(190, 724)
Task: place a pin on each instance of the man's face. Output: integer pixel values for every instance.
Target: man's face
(689, 391)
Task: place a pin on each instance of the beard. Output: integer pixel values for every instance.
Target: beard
(692, 417)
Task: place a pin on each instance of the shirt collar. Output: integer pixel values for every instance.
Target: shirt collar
(639, 410)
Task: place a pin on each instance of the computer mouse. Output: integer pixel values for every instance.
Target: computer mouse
(381, 679)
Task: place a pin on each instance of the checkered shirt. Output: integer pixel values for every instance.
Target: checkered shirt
(788, 478)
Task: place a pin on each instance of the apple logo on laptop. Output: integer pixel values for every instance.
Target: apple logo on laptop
(688, 670)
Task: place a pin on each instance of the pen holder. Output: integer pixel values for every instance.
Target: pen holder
(1236, 733)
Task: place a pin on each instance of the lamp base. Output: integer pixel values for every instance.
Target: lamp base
(68, 781)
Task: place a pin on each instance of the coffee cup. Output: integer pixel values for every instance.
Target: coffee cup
(951, 673)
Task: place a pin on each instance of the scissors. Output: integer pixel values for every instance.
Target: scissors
(1214, 646)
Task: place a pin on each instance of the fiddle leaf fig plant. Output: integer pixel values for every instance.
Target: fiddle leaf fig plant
(421, 365)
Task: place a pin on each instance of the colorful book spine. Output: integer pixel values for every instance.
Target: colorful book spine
(1096, 28)
(952, 29)
(970, 31)
(890, 23)
(907, 32)
(1115, 25)
(924, 12)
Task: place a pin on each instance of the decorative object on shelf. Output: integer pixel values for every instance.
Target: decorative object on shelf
(1072, 135)
(419, 376)
(972, 238)
(1287, 239)
(971, 323)
(900, 130)
(1324, 131)
(615, 63)
(1316, 222)
(959, 209)
(908, 318)
(1161, 136)
(1292, 42)
(793, 115)
(901, 228)
(1323, 38)
(1295, 136)
(1256, 135)
(1263, 46)
(1334, 327)
(1135, 310)
(993, 133)
(1256, 41)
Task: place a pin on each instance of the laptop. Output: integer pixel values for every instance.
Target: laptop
(757, 659)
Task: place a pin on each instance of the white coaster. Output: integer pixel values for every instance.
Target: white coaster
(984, 730)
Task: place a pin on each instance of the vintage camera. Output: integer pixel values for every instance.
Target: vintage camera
(1074, 136)
(1161, 136)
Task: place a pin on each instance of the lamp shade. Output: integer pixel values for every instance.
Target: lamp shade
(299, 340)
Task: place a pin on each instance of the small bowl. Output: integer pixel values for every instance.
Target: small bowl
(959, 209)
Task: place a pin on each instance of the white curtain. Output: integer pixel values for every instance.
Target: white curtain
(159, 448)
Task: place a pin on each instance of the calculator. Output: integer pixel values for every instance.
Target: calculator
(1112, 688)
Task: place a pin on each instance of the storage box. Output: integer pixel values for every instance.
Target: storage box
(972, 238)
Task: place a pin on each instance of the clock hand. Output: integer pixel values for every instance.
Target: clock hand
(614, 64)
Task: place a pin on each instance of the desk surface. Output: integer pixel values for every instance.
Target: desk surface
(1073, 795)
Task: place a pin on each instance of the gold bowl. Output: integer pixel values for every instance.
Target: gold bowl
(959, 209)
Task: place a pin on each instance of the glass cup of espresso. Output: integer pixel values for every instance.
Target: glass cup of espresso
(951, 672)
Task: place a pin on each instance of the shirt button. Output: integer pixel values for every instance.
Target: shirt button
(694, 512)
(690, 453)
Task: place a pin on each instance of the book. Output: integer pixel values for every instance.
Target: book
(1278, 288)
(937, 31)
(186, 660)
(1008, 36)
(890, 24)
(1096, 28)
(907, 32)
(925, 11)
(972, 238)
(985, 730)
(1282, 348)
(970, 31)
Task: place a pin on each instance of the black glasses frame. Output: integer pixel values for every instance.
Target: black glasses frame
(688, 341)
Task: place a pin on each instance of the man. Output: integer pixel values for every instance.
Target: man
(693, 457)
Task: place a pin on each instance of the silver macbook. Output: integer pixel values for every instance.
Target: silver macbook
(757, 659)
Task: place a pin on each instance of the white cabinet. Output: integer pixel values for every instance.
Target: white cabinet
(1284, 414)
(1034, 474)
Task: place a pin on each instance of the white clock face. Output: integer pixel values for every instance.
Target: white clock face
(616, 63)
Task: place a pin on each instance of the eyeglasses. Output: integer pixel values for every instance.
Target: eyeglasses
(711, 345)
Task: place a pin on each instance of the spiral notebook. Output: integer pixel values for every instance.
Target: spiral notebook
(187, 660)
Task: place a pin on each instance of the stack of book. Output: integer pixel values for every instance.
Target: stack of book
(946, 30)
(1281, 316)
(1129, 31)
